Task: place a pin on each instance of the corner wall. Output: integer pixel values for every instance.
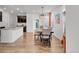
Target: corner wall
(72, 28)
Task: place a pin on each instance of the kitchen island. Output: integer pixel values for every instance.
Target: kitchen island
(10, 35)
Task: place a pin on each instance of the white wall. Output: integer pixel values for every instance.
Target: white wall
(44, 21)
(13, 20)
(5, 18)
(8, 19)
(72, 28)
(58, 28)
(1, 23)
(30, 22)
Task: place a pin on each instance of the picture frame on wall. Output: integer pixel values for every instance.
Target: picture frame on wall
(57, 17)
(0, 16)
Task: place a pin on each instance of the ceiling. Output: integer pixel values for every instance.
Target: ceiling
(23, 9)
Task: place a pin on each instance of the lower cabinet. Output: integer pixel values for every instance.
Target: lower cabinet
(24, 29)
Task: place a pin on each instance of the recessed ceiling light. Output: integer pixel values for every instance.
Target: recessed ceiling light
(11, 11)
(4, 8)
(17, 9)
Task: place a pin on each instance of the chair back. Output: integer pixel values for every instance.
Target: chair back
(46, 31)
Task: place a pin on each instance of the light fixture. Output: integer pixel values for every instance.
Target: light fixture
(4, 8)
(12, 11)
(17, 9)
(42, 14)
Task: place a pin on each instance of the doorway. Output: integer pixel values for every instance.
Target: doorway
(22, 22)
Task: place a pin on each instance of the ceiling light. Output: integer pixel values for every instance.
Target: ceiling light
(11, 11)
(42, 14)
(4, 8)
(17, 9)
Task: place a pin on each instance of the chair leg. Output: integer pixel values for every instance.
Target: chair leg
(40, 39)
(49, 44)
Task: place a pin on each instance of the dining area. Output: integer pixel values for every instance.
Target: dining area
(44, 36)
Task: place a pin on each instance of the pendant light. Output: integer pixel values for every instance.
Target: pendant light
(42, 11)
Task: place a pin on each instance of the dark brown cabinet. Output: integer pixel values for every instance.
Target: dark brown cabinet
(24, 29)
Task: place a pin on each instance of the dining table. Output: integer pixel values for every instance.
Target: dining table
(45, 32)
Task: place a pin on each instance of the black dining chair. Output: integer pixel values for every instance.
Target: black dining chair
(46, 38)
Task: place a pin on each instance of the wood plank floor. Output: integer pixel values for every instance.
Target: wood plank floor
(26, 44)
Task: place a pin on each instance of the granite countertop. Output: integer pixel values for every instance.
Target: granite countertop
(11, 28)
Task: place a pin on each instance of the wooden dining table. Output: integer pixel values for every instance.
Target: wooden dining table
(45, 32)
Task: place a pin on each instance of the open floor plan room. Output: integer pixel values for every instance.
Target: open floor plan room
(32, 29)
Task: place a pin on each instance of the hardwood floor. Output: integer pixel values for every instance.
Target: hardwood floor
(26, 44)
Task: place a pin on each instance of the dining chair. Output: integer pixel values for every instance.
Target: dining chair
(37, 35)
(46, 38)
